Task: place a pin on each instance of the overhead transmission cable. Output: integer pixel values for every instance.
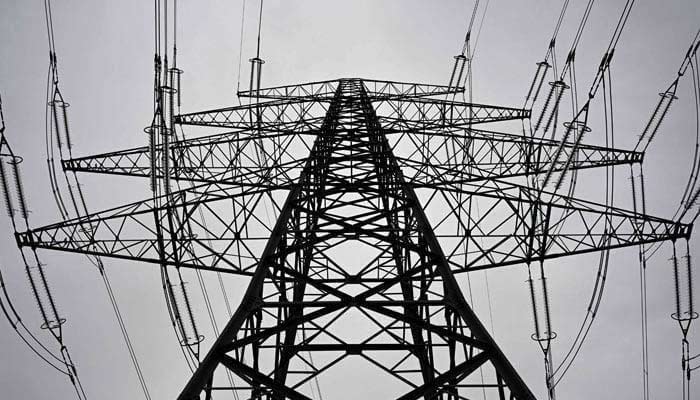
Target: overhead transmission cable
(687, 202)
(603, 262)
(549, 114)
(262, 156)
(240, 51)
(160, 137)
(575, 130)
(691, 193)
(542, 66)
(174, 75)
(463, 61)
(539, 296)
(481, 25)
(6, 303)
(57, 126)
(34, 269)
(33, 266)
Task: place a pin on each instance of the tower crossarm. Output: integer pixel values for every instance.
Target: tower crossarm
(513, 227)
(278, 115)
(376, 90)
(424, 113)
(218, 229)
(234, 158)
(443, 157)
(427, 159)
(513, 224)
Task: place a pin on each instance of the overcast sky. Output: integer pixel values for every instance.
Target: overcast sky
(105, 61)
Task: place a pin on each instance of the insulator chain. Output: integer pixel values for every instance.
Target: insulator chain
(19, 188)
(152, 132)
(183, 313)
(33, 267)
(683, 284)
(659, 114)
(557, 156)
(457, 72)
(537, 83)
(579, 129)
(175, 76)
(684, 310)
(59, 114)
(573, 135)
(539, 297)
(256, 64)
(551, 105)
(6, 190)
(42, 294)
(693, 200)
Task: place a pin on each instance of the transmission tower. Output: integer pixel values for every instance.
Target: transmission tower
(352, 205)
(355, 161)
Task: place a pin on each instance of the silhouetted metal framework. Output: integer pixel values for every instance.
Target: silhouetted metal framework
(373, 186)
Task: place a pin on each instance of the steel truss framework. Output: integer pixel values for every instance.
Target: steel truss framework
(378, 181)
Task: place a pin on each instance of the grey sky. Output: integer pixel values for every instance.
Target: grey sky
(105, 62)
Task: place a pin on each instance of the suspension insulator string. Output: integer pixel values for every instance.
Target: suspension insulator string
(658, 115)
(683, 284)
(574, 131)
(551, 106)
(27, 337)
(537, 82)
(6, 191)
(580, 129)
(539, 297)
(684, 309)
(457, 72)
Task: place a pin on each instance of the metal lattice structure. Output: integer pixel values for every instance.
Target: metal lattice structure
(351, 199)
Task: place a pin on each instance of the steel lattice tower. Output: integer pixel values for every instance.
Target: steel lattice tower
(353, 236)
